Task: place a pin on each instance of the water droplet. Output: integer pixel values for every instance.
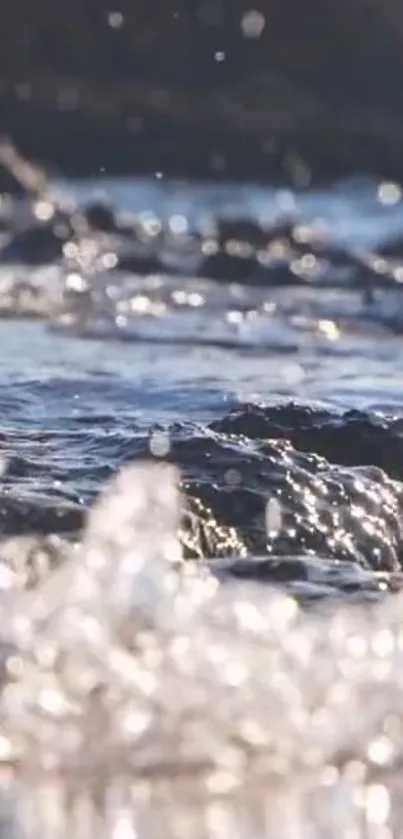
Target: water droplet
(115, 20)
(253, 23)
(44, 210)
(178, 224)
(159, 442)
(233, 477)
(217, 161)
(389, 193)
(273, 518)
(377, 804)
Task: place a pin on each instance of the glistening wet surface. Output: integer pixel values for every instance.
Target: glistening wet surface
(253, 340)
(257, 333)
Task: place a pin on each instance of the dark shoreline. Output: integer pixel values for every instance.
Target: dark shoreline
(315, 97)
(319, 151)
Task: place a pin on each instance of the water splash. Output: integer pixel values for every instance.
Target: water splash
(139, 700)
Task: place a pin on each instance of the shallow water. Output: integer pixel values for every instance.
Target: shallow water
(281, 406)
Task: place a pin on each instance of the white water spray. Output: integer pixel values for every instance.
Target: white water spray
(139, 702)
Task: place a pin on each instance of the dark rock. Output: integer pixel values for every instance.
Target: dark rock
(282, 229)
(222, 266)
(138, 263)
(393, 248)
(354, 438)
(234, 471)
(229, 268)
(100, 217)
(273, 570)
(38, 245)
(242, 230)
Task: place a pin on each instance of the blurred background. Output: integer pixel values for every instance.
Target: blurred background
(268, 89)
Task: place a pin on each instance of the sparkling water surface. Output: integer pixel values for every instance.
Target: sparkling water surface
(217, 650)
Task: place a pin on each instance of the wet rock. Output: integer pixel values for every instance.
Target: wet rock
(392, 248)
(229, 268)
(240, 254)
(243, 231)
(252, 270)
(100, 217)
(281, 230)
(325, 510)
(139, 263)
(355, 438)
(202, 535)
(39, 244)
(328, 474)
(24, 514)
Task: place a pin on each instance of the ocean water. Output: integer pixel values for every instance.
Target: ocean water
(217, 649)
